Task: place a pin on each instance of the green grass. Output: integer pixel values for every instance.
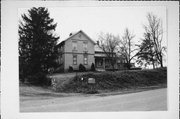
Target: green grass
(115, 80)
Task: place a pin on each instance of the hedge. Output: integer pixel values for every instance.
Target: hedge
(116, 80)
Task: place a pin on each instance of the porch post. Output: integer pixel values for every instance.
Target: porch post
(104, 63)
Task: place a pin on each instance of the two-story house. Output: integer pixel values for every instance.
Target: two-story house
(77, 49)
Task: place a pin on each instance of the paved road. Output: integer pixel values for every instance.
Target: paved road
(142, 101)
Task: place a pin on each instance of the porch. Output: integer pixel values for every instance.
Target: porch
(102, 63)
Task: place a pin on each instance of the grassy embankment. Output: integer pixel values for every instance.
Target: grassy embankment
(119, 80)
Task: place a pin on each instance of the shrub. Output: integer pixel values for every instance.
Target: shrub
(82, 68)
(70, 69)
(127, 65)
(93, 67)
(111, 69)
(136, 68)
(39, 79)
(21, 77)
(58, 70)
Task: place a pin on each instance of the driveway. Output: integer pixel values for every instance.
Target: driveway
(152, 100)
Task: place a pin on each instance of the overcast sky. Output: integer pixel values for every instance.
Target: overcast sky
(93, 20)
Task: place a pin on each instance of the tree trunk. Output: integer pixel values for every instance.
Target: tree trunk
(161, 60)
(161, 63)
(129, 66)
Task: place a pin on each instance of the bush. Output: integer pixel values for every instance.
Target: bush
(59, 69)
(82, 68)
(111, 69)
(70, 69)
(93, 67)
(136, 68)
(127, 65)
(21, 77)
(39, 79)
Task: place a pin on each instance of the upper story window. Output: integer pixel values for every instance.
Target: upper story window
(74, 45)
(85, 46)
(85, 59)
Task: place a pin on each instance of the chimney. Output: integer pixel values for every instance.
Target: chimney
(97, 42)
(70, 34)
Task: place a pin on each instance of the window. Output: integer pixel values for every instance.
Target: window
(85, 46)
(74, 45)
(100, 62)
(74, 59)
(85, 59)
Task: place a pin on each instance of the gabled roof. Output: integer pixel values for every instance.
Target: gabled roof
(76, 34)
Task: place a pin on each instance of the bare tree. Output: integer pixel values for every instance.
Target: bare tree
(127, 47)
(109, 43)
(154, 28)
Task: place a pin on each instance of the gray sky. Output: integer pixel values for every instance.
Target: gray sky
(93, 20)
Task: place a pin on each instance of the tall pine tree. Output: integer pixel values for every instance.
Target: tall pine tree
(37, 43)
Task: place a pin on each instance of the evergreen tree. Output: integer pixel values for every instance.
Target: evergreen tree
(93, 67)
(37, 42)
(146, 55)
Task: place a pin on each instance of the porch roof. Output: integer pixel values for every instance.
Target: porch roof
(99, 54)
(97, 48)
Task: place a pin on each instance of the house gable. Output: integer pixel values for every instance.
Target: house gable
(80, 35)
(79, 39)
